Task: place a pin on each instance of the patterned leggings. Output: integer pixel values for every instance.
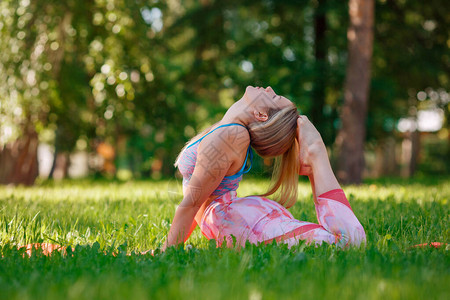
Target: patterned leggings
(258, 219)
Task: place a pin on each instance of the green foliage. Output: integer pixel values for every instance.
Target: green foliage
(98, 218)
(155, 73)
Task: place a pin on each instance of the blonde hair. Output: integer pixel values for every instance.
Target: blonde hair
(277, 137)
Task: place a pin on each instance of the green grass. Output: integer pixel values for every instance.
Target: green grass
(102, 217)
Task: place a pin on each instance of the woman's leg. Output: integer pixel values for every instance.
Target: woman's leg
(334, 212)
(337, 224)
(336, 216)
(258, 219)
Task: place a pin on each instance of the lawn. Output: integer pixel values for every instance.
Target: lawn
(102, 218)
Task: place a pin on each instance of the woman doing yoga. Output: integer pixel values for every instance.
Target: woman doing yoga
(212, 165)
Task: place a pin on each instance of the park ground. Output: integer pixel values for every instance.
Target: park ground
(107, 223)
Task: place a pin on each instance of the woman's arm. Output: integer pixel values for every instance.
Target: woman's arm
(322, 177)
(200, 187)
(214, 159)
(193, 226)
(314, 158)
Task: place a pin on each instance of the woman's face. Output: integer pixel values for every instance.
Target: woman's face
(265, 97)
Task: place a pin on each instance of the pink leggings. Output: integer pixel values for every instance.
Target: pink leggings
(258, 219)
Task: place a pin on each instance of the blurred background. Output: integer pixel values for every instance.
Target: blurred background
(114, 88)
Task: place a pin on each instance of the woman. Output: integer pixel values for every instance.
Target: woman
(212, 164)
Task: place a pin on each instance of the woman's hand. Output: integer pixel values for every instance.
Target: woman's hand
(310, 144)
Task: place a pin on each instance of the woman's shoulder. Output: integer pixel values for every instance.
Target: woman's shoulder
(227, 137)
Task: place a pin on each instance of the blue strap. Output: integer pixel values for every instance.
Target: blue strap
(224, 125)
(251, 160)
(249, 152)
(242, 170)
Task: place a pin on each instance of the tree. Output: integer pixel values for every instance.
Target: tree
(144, 77)
(320, 80)
(352, 135)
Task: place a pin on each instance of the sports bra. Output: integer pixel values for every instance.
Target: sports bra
(188, 159)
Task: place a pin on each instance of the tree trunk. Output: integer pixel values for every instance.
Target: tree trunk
(18, 160)
(55, 155)
(61, 165)
(320, 51)
(385, 158)
(350, 139)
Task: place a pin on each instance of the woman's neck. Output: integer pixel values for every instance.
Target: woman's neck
(239, 113)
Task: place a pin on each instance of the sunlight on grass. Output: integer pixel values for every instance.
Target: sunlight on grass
(102, 217)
